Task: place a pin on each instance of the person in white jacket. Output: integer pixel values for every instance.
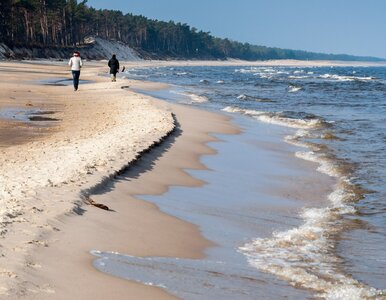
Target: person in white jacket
(76, 64)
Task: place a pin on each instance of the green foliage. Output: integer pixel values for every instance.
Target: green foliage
(63, 23)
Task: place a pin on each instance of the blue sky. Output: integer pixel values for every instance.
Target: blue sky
(355, 27)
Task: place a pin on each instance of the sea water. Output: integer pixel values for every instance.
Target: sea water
(332, 116)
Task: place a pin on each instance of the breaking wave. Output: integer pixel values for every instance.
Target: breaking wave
(262, 72)
(345, 78)
(194, 98)
(252, 98)
(305, 256)
(293, 89)
(287, 118)
(298, 77)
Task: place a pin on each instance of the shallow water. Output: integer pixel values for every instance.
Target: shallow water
(26, 115)
(336, 116)
(230, 210)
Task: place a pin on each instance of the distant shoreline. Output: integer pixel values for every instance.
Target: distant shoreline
(235, 62)
(203, 63)
(101, 49)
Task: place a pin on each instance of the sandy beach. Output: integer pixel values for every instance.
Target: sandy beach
(62, 150)
(47, 229)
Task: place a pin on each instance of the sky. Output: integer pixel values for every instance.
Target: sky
(356, 27)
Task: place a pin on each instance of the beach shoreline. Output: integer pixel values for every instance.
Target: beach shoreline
(50, 211)
(136, 227)
(53, 255)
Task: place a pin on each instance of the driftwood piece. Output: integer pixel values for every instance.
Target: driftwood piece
(99, 205)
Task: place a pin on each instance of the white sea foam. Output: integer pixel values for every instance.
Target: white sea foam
(345, 78)
(262, 72)
(326, 166)
(276, 118)
(298, 77)
(294, 89)
(250, 112)
(242, 97)
(198, 99)
(303, 255)
(296, 138)
(262, 75)
(301, 133)
(249, 70)
(194, 98)
(289, 122)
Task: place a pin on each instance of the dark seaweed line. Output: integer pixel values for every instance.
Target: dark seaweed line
(85, 195)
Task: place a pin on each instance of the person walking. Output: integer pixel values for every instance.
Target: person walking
(76, 64)
(114, 67)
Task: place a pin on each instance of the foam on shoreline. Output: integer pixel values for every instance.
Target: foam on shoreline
(305, 256)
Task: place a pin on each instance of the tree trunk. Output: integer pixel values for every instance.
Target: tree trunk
(44, 21)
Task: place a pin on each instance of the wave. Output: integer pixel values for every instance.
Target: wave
(288, 118)
(243, 97)
(294, 89)
(197, 98)
(304, 256)
(250, 112)
(193, 97)
(297, 138)
(298, 77)
(266, 73)
(249, 70)
(252, 98)
(345, 78)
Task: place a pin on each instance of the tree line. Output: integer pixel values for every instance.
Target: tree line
(66, 23)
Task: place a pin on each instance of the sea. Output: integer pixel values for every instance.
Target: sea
(270, 246)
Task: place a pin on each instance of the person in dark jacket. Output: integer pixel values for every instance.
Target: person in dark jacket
(114, 67)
